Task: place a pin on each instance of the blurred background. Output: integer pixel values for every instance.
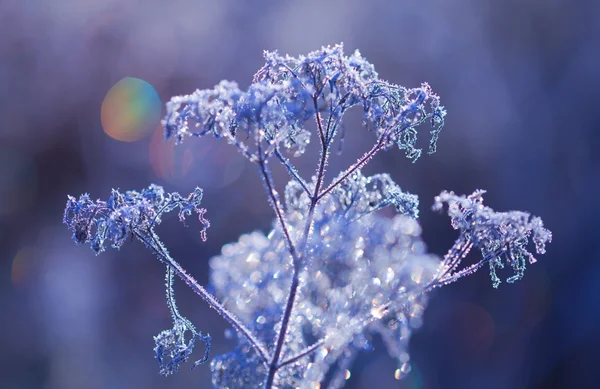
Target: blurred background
(519, 79)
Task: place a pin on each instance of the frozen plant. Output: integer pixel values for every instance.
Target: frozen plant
(304, 299)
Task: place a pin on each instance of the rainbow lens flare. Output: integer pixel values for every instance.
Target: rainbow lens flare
(22, 266)
(131, 110)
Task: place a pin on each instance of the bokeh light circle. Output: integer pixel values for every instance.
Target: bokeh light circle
(131, 110)
(213, 162)
(22, 266)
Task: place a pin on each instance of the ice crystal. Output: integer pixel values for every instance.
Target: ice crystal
(171, 348)
(500, 236)
(334, 270)
(365, 275)
(125, 214)
(357, 195)
(135, 214)
(289, 91)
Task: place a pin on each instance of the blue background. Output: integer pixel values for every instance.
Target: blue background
(519, 79)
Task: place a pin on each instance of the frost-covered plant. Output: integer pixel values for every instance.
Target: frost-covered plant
(304, 299)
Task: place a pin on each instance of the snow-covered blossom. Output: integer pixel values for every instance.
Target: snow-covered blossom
(336, 268)
(500, 236)
(172, 349)
(289, 91)
(123, 214)
(364, 273)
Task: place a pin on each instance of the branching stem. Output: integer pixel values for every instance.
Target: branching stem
(274, 365)
(362, 161)
(274, 200)
(151, 241)
(292, 171)
(305, 352)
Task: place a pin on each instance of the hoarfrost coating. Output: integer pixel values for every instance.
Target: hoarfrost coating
(334, 270)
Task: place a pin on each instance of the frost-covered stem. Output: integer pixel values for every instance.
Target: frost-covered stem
(275, 203)
(287, 314)
(295, 277)
(459, 250)
(445, 278)
(153, 243)
(274, 365)
(285, 320)
(318, 119)
(362, 161)
(320, 168)
(314, 199)
(169, 279)
(306, 351)
(464, 272)
(292, 171)
(273, 196)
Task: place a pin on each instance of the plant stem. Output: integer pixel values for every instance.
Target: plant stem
(274, 365)
(161, 252)
(292, 171)
(306, 351)
(295, 277)
(362, 161)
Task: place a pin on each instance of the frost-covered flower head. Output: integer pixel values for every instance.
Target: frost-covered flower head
(133, 214)
(288, 91)
(498, 235)
(124, 214)
(365, 274)
(335, 269)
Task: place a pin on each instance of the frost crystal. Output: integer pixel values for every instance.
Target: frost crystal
(125, 214)
(334, 270)
(171, 348)
(289, 91)
(364, 274)
(501, 236)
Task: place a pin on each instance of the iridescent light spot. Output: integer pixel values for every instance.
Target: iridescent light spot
(131, 110)
(211, 161)
(21, 266)
(410, 375)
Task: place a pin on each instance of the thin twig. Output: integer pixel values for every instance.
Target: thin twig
(161, 252)
(306, 351)
(449, 278)
(274, 200)
(362, 161)
(274, 365)
(293, 172)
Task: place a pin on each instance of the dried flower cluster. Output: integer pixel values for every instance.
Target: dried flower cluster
(307, 297)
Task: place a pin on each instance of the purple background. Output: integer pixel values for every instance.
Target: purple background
(519, 79)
